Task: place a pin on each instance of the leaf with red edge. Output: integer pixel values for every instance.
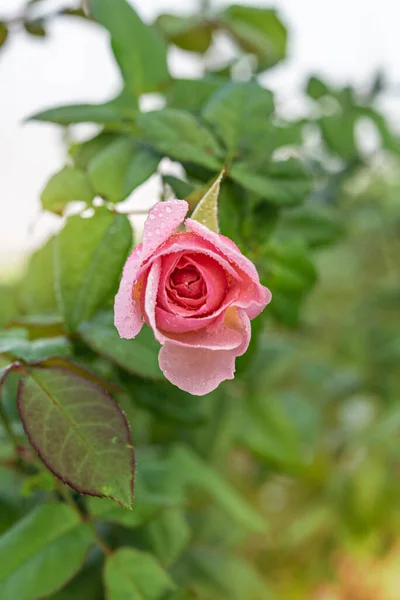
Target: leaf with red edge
(79, 432)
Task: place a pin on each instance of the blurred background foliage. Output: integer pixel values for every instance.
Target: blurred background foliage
(283, 484)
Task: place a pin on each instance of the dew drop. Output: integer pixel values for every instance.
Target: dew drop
(160, 214)
(168, 209)
(152, 216)
(158, 231)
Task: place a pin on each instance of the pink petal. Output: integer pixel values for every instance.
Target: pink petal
(127, 314)
(162, 221)
(169, 322)
(255, 296)
(160, 224)
(200, 370)
(150, 298)
(196, 370)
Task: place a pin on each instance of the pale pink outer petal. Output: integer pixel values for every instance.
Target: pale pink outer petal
(256, 296)
(127, 317)
(199, 371)
(162, 221)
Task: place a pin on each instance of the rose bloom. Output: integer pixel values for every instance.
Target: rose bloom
(197, 292)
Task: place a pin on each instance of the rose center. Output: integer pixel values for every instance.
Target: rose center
(186, 282)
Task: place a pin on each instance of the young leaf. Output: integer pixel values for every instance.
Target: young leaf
(114, 113)
(89, 256)
(258, 31)
(67, 185)
(135, 575)
(119, 168)
(138, 356)
(42, 552)
(177, 134)
(206, 212)
(238, 112)
(140, 53)
(79, 432)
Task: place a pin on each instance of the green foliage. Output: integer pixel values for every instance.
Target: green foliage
(178, 135)
(86, 250)
(48, 546)
(82, 436)
(258, 31)
(140, 53)
(67, 185)
(136, 575)
(138, 356)
(255, 491)
(121, 167)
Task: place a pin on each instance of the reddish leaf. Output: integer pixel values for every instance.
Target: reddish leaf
(79, 432)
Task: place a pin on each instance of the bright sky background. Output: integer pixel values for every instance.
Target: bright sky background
(345, 40)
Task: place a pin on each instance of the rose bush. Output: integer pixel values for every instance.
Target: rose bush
(197, 292)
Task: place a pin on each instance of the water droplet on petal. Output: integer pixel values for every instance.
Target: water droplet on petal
(158, 231)
(168, 209)
(152, 216)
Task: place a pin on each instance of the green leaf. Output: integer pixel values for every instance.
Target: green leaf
(83, 153)
(3, 33)
(116, 113)
(313, 224)
(67, 185)
(206, 212)
(316, 88)
(89, 256)
(168, 535)
(42, 552)
(177, 134)
(36, 293)
(79, 432)
(121, 167)
(135, 575)
(283, 183)
(258, 31)
(140, 53)
(338, 132)
(182, 189)
(147, 506)
(15, 342)
(138, 356)
(238, 113)
(197, 473)
(164, 400)
(189, 33)
(192, 94)
(35, 27)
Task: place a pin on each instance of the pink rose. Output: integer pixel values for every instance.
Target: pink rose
(197, 292)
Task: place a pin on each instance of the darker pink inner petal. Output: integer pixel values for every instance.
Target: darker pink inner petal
(194, 284)
(186, 286)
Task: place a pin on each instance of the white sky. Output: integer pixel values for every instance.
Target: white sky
(345, 40)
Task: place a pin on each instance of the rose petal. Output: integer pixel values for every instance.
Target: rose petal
(127, 314)
(201, 370)
(162, 221)
(196, 370)
(255, 296)
(170, 322)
